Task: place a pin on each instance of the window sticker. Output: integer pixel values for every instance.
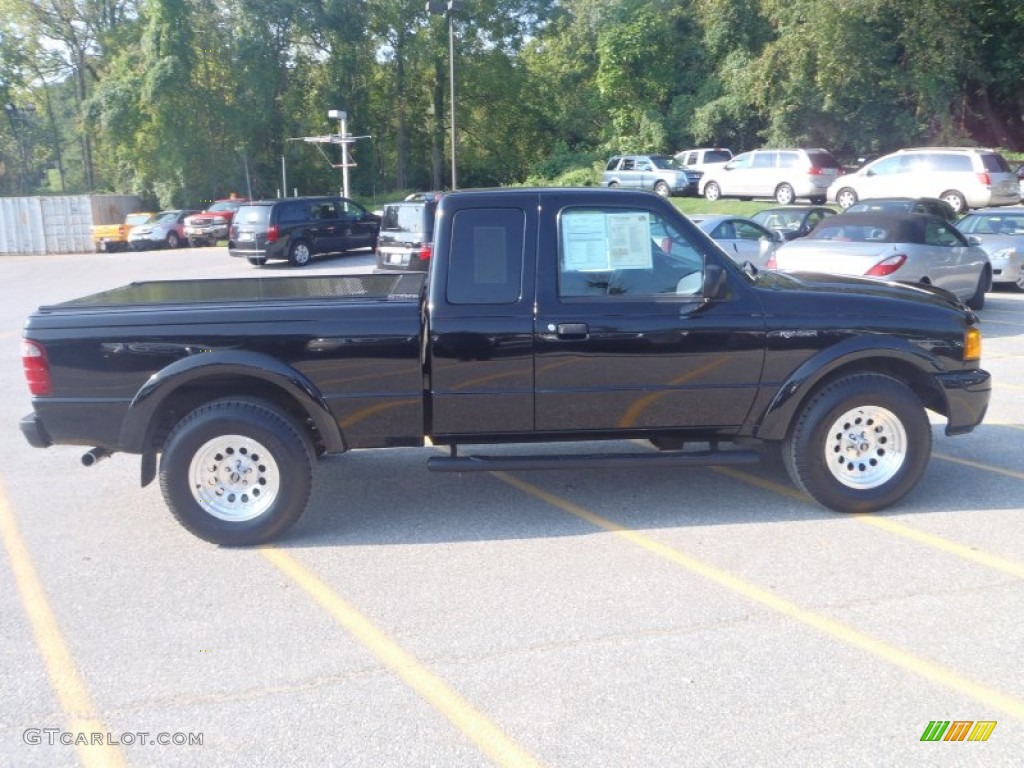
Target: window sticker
(602, 241)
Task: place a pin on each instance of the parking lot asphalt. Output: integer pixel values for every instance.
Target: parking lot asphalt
(705, 617)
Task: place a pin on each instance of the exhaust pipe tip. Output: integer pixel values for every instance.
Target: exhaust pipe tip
(93, 455)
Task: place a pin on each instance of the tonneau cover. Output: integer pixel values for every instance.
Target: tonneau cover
(400, 287)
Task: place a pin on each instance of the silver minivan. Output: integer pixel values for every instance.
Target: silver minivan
(965, 177)
(781, 174)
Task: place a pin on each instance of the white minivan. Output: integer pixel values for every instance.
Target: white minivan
(965, 177)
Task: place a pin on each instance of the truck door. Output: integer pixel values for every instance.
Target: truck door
(624, 339)
(479, 370)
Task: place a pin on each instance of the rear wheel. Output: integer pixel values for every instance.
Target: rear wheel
(956, 200)
(299, 255)
(860, 444)
(712, 191)
(784, 194)
(236, 472)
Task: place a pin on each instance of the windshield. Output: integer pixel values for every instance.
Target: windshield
(225, 205)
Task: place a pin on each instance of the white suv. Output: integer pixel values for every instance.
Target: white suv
(965, 177)
(782, 174)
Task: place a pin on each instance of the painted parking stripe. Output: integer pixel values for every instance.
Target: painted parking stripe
(481, 731)
(978, 465)
(935, 673)
(72, 693)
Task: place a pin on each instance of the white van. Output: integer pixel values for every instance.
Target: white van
(965, 177)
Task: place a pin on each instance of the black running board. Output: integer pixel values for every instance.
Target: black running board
(592, 461)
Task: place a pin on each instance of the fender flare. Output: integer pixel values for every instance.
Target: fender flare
(777, 417)
(233, 363)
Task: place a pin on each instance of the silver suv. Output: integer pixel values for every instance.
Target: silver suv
(782, 174)
(964, 177)
(655, 173)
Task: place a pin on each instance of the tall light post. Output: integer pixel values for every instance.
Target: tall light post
(447, 8)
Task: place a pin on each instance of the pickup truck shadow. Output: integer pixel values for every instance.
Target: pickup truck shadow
(389, 497)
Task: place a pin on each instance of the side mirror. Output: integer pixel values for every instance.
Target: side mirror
(716, 281)
(973, 240)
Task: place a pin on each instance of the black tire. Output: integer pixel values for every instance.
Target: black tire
(712, 191)
(299, 255)
(256, 261)
(977, 301)
(612, 184)
(784, 194)
(256, 498)
(818, 200)
(661, 189)
(173, 241)
(956, 200)
(832, 455)
(846, 197)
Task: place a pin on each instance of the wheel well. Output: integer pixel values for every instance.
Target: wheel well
(920, 383)
(187, 398)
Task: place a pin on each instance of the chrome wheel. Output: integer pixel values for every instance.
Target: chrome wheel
(866, 447)
(234, 478)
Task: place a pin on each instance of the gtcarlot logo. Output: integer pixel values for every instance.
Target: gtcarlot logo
(53, 736)
(958, 730)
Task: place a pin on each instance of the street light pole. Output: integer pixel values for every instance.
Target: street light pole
(447, 8)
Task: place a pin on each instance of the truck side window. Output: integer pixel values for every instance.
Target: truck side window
(486, 261)
(625, 253)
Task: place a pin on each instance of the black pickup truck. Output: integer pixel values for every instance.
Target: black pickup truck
(546, 315)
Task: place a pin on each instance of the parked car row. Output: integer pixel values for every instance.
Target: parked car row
(908, 240)
(964, 177)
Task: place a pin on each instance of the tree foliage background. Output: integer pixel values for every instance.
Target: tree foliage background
(183, 101)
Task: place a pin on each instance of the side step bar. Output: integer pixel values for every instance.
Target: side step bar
(457, 463)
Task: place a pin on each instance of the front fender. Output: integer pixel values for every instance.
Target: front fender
(238, 364)
(876, 353)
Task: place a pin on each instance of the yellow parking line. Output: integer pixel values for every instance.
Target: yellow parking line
(459, 712)
(72, 694)
(978, 465)
(891, 526)
(935, 673)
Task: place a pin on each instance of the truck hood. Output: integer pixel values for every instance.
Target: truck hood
(802, 282)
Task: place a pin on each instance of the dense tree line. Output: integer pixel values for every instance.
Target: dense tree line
(181, 101)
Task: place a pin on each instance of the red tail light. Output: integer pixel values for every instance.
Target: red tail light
(985, 179)
(425, 252)
(772, 263)
(36, 367)
(814, 171)
(272, 233)
(887, 266)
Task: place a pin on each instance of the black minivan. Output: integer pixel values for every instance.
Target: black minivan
(407, 233)
(298, 228)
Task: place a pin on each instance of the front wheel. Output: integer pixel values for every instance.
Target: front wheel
(661, 189)
(173, 241)
(846, 197)
(712, 191)
(860, 444)
(236, 472)
(977, 301)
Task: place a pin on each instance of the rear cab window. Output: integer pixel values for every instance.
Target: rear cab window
(486, 256)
